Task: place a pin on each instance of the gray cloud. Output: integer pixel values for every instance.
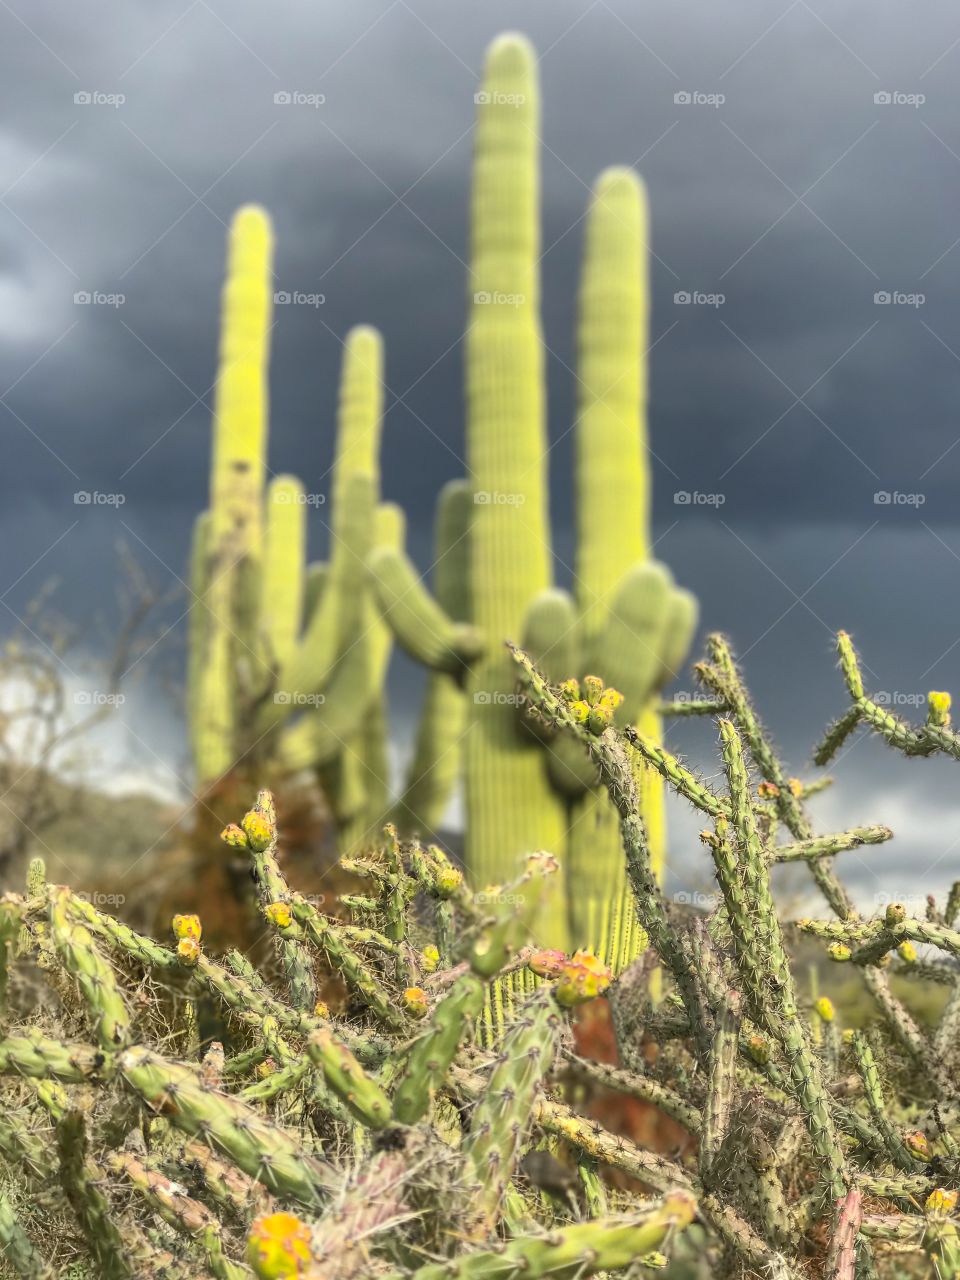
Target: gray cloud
(798, 198)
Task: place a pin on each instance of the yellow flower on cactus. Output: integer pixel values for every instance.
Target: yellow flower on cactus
(260, 830)
(188, 951)
(187, 927)
(825, 1009)
(940, 1203)
(908, 952)
(279, 914)
(234, 836)
(321, 1010)
(583, 977)
(279, 1246)
(839, 951)
(415, 1001)
(430, 959)
(938, 709)
(580, 711)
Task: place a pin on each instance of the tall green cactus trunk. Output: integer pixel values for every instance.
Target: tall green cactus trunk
(613, 512)
(510, 809)
(232, 543)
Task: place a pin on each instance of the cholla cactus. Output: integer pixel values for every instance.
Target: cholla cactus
(391, 1138)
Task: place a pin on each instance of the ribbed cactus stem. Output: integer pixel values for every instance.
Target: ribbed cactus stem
(234, 535)
(283, 579)
(509, 810)
(613, 482)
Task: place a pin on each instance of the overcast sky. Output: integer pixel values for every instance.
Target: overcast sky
(812, 171)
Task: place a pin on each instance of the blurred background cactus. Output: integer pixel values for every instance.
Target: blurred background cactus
(288, 663)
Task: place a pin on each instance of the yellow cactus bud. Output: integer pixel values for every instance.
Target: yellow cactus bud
(919, 1144)
(185, 926)
(447, 881)
(908, 952)
(825, 1009)
(415, 1001)
(938, 709)
(277, 1246)
(321, 1010)
(260, 830)
(583, 977)
(796, 786)
(611, 698)
(894, 914)
(758, 1049)
(188, 951)
(592, 689)
(767, 790)
(848, 1036)
(547, 964)
(234, 836)
(570, 690)
(940, 1203)
(430, 959)
(580, 711)
(279, 914)
(600, 718)
(839, 951)
(265, 1068)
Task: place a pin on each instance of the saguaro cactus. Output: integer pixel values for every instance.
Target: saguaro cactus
(509, 809)
(325, 639)
(228, 543)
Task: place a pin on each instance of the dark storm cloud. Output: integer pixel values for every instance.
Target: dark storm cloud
(782, 410)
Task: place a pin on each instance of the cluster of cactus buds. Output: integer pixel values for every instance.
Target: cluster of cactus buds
(590, 703)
